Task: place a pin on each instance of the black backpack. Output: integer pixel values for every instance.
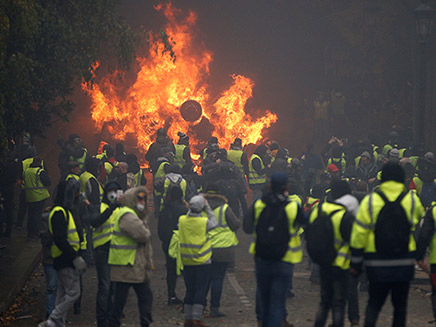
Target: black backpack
(392, 229)
(320, 238)
(272, 232)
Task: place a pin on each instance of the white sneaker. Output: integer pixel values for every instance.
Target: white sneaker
(43, 324)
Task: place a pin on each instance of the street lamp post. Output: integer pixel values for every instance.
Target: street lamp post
(424, 20)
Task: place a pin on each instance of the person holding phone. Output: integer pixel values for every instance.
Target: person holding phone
(102, 219)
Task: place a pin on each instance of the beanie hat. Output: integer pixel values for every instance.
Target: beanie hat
(394, 153)
(339, 188)
(182, 136)
(72, 137)
(366, 154)
(393, 172)
(279, 181)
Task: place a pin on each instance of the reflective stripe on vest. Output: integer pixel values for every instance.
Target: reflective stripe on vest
(35, 190)
(178, 159)
(103, 233)
(74, 176)
(195, 245)
(222, 236)
(81, 160)
(160, 173)
(122, 250)
(72, 235)
(294, 254)
(433, 241)
(235, 156)
(138, 177)
(253, 177)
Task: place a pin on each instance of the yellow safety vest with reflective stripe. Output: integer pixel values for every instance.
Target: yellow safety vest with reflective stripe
(35, 190)
(74, 176)
(253, 177)
(235, 156)
(72, 234)
(138, 177)
(84, 178)
(178, 158)
(82, 159)
(222, 236)
(195, 244)
(433, 241)
(342, 248)
(363, 236)
(296, 198)
(103, 233)
(122, 250)
(160, 173)
(294, 254)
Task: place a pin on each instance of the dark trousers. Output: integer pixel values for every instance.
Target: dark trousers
(8, 204)
(334, 281)
(78, 303)
(433, 288)
(22, 209)
(171, 266)
(34, 222)
(272, 278)
(353, 299)
(105, 287)
(216, 282)
(378, 292)
(145, 301)
(197, 283)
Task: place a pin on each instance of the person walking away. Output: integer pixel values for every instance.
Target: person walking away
(196, 253)
(168, 221)
(224, 242)
(155, 150)
(36, 181)
(102, 221)
(257, 171)
(427, 239)
(164, 163)
(73, 170)
(66, 232)
(136, 170)
(328, 234)
(130, 256)
(382, 239)
(274, 220)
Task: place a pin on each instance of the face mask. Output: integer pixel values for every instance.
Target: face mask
(112, 196)
(140, 207)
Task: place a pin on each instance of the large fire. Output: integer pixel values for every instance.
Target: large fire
(173, 71)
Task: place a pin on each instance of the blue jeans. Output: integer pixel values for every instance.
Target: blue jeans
(272, 284)
(51, 282)
(105, 287)
(216, 282)
(197, 283)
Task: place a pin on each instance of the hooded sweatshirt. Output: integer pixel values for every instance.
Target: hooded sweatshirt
(136, 227)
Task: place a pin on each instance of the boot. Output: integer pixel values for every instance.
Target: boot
(199, 323)
(216, 313)
(189, 323)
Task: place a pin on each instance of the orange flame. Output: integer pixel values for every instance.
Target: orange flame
(174, 71)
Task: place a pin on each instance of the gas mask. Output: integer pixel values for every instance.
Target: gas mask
(140, 207)
(112, 196)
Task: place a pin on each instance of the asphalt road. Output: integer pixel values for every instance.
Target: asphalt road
(237, 301)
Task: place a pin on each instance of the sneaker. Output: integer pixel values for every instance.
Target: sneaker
(199, 323)
(43, 324)
(174, 301)
(216, 313)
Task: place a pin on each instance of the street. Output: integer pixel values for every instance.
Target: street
(237, 300)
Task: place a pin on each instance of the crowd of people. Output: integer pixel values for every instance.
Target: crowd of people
(356, 206)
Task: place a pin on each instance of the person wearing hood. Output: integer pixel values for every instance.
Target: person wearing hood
(89, 184)
(196, 254)
(130, 256)
(35, 183)
(174, 178)
(280, 162)
(212, 146)
(224, 242)
(76, 151)
(125, 178)
(136, 170)
(257, 170)
(238, 157)
(183, 153)
(66, 231)
(102, 221)
(155, 150)
(334, 278)
(173, 208)
(367, 170)
(388, 270)
(120, 154)
(274, 264)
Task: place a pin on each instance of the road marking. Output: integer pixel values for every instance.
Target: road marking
(239, 290)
